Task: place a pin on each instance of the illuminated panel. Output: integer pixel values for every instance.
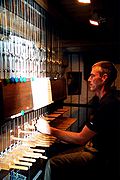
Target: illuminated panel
(41, 92)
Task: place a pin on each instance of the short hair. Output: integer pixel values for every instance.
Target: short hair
(108, 68)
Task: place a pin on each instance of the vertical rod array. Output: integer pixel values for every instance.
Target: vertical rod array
(22, 40)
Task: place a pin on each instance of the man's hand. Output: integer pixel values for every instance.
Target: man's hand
(43, 126)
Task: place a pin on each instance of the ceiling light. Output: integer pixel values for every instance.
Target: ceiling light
(96, 20)
(84, 1)
(93, 22)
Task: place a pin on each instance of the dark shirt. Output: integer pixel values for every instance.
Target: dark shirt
(105, 122)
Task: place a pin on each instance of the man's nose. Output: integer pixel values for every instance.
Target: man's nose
(89, 79)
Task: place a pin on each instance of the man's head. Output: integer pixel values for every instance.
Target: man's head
(103, 74)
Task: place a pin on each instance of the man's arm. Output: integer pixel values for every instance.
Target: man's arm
(73, 137)
(81, 137)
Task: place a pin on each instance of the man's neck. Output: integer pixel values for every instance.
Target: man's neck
(101, 92)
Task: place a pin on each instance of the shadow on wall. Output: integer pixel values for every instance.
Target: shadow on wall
(74, 81)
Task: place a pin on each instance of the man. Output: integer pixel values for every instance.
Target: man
(98, 144)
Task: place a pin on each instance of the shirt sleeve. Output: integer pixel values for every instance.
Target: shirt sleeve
(92, 113)
(91, 123)
(103, 116)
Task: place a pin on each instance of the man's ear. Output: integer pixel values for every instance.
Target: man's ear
(104, 77)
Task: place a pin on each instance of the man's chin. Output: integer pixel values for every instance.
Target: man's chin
(92, 89)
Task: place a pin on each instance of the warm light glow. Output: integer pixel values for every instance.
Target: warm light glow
(95, 23)
(84, 1)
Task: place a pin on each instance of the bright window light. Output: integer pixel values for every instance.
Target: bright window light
(84, 1)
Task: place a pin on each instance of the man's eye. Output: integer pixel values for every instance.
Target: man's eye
(92, 75)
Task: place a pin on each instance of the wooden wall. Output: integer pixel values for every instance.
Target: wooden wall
(15, 98)
(58, 89)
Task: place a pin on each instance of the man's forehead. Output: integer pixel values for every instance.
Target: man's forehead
(96, 69)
